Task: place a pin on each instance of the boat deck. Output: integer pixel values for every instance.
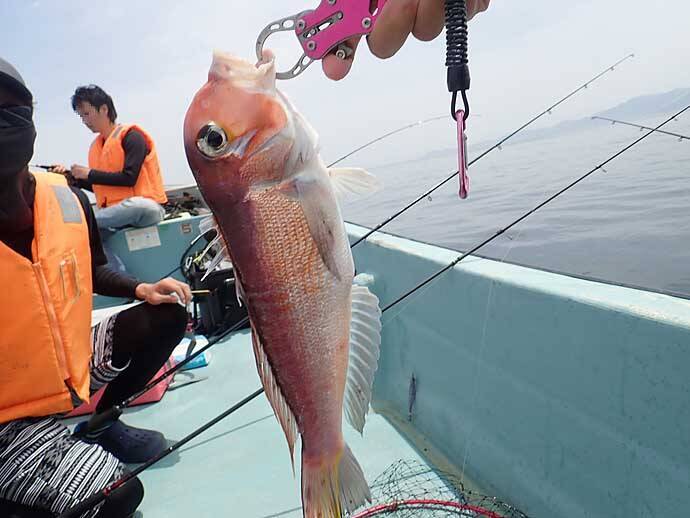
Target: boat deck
(241, 466)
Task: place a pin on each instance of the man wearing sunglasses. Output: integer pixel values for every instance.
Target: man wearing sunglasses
(51, 358)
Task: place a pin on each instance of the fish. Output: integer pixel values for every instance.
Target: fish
(315, 332)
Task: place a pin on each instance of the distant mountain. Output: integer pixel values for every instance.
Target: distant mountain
(647, 105)
(633, 110)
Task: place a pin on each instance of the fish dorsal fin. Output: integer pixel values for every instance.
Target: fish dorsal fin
(365, 340)
(353, 181)
(275, 396)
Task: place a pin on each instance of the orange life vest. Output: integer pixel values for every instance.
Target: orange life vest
(45, 309)
(109, 156)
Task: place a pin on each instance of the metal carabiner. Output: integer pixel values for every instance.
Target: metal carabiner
(285, 24)
(323, 29)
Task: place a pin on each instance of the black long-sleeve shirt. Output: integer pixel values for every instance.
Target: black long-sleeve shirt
(105, 281)
(136, 149)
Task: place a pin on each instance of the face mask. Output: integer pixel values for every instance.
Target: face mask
(17, 136)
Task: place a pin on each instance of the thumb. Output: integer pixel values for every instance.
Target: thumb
(336, 68)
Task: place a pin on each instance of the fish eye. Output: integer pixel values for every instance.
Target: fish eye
(212, 140)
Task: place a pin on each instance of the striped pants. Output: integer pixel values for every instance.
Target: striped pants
(42, 465)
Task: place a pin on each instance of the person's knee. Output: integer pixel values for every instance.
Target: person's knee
(148, 211)
(174, 317)
(123, 502)
(170, 321)
(164, 324)
(150, 216)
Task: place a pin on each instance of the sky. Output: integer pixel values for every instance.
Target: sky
(153, 56)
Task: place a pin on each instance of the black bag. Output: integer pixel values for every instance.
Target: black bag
(218, 309)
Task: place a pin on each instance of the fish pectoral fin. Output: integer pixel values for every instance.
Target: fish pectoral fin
(365, 341)
(275, 396)
(353, 181)
(322, 223)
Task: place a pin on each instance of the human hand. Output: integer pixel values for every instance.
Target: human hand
(59, 169)
(424, 19)
(166, 291)
(79, 172)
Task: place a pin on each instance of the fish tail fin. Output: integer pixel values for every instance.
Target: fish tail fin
(332, 486)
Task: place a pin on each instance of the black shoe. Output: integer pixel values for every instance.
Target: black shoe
(131, 445)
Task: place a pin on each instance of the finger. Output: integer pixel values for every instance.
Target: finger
(172, 290)
(187, 293)
(429, 21)
(172, 298)
(181, 295)
(476, 6)
(336, 68)
(393, 26)
(178, 288)
(156, 299)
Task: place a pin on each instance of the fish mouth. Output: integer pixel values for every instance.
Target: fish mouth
(226, 66)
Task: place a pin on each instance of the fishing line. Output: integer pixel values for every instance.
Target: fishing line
(482, 347)
(492, 148)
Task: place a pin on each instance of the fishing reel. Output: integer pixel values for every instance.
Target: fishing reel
(216, 308)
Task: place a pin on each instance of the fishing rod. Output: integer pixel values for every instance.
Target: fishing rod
(532, 211)
(389, 134)
(96, 498)
(641, 127)
(492, 148)
(98, 420)
(102, 419)
(498, 145)
(472, 162)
